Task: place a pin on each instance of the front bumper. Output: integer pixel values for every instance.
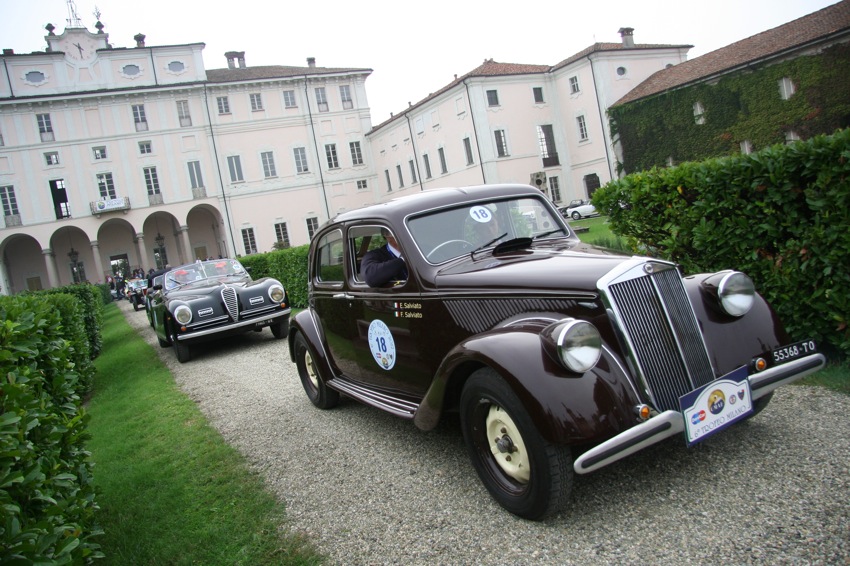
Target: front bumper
(670, 423)
(242, 325)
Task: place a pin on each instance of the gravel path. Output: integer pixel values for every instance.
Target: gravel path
(369, 488)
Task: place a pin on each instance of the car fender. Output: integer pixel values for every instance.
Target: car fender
(305, 323)
(566, 408)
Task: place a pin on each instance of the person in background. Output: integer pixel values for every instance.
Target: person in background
(384, 264)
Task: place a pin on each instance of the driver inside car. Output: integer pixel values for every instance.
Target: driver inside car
(384, 264)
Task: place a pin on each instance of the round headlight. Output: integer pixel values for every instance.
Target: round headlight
(183, 314)
(276, 293)
(736, 292)
(579, 345)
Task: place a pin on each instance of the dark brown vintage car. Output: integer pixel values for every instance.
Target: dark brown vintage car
(560, 357)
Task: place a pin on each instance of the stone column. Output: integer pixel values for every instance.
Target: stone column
(98, 262)
(50, 264)
(140, 249)
(187, 245)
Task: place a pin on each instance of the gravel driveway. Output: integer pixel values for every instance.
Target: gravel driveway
(369, 488)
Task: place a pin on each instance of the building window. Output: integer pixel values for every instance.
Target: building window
(300, 160)
(312, 226)
(256, 102)
(362, 185)
(10, 203)
(330, 154)
(99, 152)
(492, 98)
(183, 113)
(400, 176)
(554, 189)
(546, 142)
(538, 94)
(139, 118)
(267, 157)
(151, 180)
(786, 88)
(699, 113)
(574, 86)
(195, 178)
(321, 99)
(345, 96)
(248, 241)
(45, 127)
(52, 157)
(282, 235)
(289, 99)
(581, 124)
(234, 164)
(791, 137)
(356, 153)
(412, 171)
(467, 148)
(444, 168)
(106, 186)
(145, 148)
(60, 199)
(223, 105)
(2, 143)
(389, 182)
(427, 161)
(621, 71)
(501, 143)
(746, 147)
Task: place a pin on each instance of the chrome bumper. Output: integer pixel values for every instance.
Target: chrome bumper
(225, 328)
(670, 423)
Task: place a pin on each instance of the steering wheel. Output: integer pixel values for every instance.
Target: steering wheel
(463, 243)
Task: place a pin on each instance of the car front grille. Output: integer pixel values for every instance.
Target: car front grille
(228, 295)
(656, 320)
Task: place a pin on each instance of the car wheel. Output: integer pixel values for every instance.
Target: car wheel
(180, 348)
(278, 329)
(318, 393)
(576, 215)
(135, 305)
(527, 475)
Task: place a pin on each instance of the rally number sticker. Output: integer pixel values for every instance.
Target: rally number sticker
(382, 344)
(480, 214)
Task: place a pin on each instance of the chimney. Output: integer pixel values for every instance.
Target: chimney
(233, 57)
(140, 39)
(311, 62)
(628, 38)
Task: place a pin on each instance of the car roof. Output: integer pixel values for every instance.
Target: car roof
(399, 208)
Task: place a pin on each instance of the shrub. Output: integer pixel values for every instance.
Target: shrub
(289, 266)
(780, 215)
(46, 490)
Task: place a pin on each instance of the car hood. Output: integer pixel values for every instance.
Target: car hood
(542, 268)
(197, 289)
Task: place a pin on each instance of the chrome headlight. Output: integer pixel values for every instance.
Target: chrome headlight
(276, 293)
(576, 344)
(736, 293)
(183, 314)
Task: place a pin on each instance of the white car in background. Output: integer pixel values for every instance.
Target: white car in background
(578, 209)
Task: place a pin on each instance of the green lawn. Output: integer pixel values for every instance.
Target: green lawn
(171, 491)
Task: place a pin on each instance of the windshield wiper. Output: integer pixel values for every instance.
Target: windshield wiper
(549, 233)
(491, 242)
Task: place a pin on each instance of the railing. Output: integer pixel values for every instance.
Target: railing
(110, 205)
(12, 220)
(199, 193)
(155, 198)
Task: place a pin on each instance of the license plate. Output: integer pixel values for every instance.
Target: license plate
(715, 406)
(263, 323)
(793, 351)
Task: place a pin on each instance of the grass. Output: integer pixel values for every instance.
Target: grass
(599, 233)
(171, 491)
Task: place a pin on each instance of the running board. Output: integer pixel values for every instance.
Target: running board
(394, 405)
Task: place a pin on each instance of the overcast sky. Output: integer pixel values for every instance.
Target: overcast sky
(413, 48)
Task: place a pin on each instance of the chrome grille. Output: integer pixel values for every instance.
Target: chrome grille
(655, 316)
(228, 295)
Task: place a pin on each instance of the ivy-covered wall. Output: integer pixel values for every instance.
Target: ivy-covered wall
(743, 106)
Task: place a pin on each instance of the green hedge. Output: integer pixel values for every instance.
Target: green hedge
(91, 299)
(288, 266)
(782, 215)
(47, 495)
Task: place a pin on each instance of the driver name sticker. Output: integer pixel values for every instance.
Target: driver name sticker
(382, 344)
(480, 214)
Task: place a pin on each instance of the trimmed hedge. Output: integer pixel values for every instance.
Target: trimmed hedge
(288, 266)
(92, 300)
(781, 215)
(47, 495)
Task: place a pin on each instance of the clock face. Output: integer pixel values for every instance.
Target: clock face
(80, 48)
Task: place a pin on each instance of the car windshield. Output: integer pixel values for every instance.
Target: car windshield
(217, 268)
(448, 233)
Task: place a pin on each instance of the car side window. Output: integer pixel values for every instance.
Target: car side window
(329, 260)
(361, 240)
